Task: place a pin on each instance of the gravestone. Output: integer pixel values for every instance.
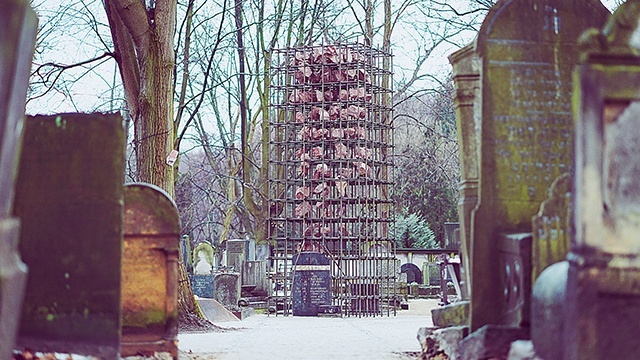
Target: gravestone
(69, 197)
(551, 227)
(254, 277)
(603, 292)
(202, 285)
(526, 49)
(185, 253)
(203, 255)
(18, 26)
(227, 290)
(311, 283)
(466, 81)
(149, 271)
(237, 253)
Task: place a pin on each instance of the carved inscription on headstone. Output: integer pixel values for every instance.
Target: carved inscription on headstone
(311, 283)
(202, 285)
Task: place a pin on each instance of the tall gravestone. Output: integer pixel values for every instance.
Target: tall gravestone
(202, 277)
(69, 196)
(603, 285)
(527, 49)
(18, 26)
(466, 80)
(311, 286)
(150, 271)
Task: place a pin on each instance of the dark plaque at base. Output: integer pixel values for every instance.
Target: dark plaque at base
(311, 283)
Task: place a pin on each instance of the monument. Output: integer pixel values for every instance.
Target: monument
(526, 51)
(69, 198)
(311, 286)
(603, 292)
(18, 27)
(202, 277)
(150, 271)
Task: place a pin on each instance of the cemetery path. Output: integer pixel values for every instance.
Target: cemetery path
(291, 337)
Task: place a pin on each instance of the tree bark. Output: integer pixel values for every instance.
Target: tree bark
(143, 46)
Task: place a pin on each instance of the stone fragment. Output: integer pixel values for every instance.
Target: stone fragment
(455, 314)
(490, 341)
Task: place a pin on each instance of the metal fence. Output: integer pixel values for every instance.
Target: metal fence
(330, 172)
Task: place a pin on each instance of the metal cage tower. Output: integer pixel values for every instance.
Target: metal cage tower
(331, 171)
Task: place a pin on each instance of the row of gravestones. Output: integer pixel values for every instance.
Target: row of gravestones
(525, 152)
(97, 260)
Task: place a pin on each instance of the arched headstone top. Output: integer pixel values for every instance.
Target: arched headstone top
(619, 38)
(149, 210)
(515, 20)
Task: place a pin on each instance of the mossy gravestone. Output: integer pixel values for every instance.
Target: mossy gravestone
(527, 50)
(69, 196)
(150, 271)
(18, 26)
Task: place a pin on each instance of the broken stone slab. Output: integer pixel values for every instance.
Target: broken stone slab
(455, 314)
(436, 343)
(226, 287)
(214, 311)
(491, 341)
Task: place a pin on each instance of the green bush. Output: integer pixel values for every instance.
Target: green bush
(412, 231)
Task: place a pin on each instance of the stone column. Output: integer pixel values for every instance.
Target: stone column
(466, 79)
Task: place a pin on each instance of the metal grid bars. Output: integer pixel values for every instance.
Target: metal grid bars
(330, 173)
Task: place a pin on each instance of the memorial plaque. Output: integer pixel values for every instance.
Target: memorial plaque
(202, 285)
(527, 50)
(69, 197)
(311, 283)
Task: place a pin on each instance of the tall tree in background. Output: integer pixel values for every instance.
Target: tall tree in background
(143, 40)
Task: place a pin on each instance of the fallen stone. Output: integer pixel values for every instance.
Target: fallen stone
(214, 311)
(456, 314)
(441, 343)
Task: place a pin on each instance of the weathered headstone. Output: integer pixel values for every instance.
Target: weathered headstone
(203, 255)
(466, 80)
(227, 289)
(311, 283)
(551, 227)
(603, 292)
(18, 26)
(185, 253)
(527, 49)
(237, 253)
(69, 197)
(149, 271)
(254, 277)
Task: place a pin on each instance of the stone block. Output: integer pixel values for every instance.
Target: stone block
(311, 283)
(227, 290)
(441, 343)
(455, 314)
(491, 341)
(522, 350)
(69, 198)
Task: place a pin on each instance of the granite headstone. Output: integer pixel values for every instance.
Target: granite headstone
(311, 283)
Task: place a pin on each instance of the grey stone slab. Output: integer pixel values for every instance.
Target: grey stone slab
(490, 342)
(69, 197)
(311, 283)
(227, 290)
(455, 314)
